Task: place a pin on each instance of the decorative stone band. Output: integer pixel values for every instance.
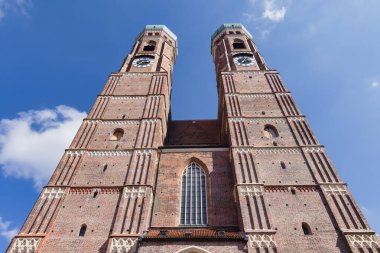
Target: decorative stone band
(109, 153)
(335, 189)
(265, 151)
(112, 122)
(144, 152)
(140, 73)
(135, 192)
(363, 241)
(74, 152)
(286, 188)
(25, 245)
(53, 193)
(301, 118)
(150, 120)
(123, 97)
(259, 120)
(313, 150)
(251, 190)
(254, 95)
(252, 72)
(261, 240)
(90, 190)
(122, 245)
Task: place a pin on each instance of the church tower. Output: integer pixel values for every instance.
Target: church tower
(255, 180)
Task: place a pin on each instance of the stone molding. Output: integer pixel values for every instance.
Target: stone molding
(335, 189)
(122, 245)
(313, 150)
(251, 190)
(254, 95)
(53, 193)
(260, 151)
(109, 153)
(261, 240)
(25, 245)
(259, 120)
(363, 241)
(135, 192)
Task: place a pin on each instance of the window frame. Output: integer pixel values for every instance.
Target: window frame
(187, 213)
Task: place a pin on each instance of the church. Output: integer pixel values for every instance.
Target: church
(254, 180)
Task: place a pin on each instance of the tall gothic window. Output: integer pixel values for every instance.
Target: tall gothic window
(193, 196)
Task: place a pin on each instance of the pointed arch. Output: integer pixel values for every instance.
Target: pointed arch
(192, 249)
(193, 195)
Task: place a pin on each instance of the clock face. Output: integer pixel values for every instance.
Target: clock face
(142, 62)
(244, 60)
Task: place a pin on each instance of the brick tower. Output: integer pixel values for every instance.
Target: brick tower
(254, 180)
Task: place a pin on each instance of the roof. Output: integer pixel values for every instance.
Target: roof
(230, 25)
(184, 233)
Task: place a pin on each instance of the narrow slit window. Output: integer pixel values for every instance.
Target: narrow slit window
(306, 228)
(82, 230)
(193, 197)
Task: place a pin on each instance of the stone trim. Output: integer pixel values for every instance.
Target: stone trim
(258, 151)
(259, 120)
(363, 241)
(335, 189)
(251, 95)
(122, 245)
(135, 192)
(251, 190)
(25, 245)
(261, 240)
(53, 193)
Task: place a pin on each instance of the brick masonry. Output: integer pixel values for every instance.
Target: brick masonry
(270, 186)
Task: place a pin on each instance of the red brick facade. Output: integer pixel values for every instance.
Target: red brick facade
(269, 185)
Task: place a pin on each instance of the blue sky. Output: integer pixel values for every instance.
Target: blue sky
(55, 57)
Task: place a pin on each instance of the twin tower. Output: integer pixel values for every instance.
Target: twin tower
(254, 180)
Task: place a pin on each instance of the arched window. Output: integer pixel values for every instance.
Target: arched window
(193, 197)
(150, 46)
(306, 228)
(238, 44)
(117, 134)
(82, 230)
(270, 132)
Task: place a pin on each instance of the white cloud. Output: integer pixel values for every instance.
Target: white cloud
(273, 12)
(375, 84)
(20, 6)
(265, 14)
(32, 144)
(365, 209)
(5, 229)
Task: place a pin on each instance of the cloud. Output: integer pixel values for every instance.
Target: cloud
(32, 144)
(365, 209)
(265, 14)
(273, 12)
(5, 229)
(375, 84)
(19, 6)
